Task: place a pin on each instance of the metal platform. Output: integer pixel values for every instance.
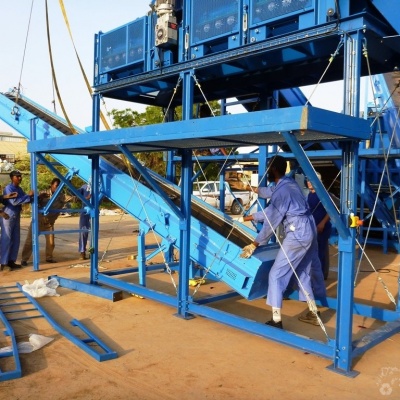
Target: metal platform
(280, 50)
(307, 124)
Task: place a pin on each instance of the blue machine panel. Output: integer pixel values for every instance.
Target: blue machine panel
(123, 47)
(267, 10)
(269, 18)
(215, 24)
(136, 41)
(213, 19)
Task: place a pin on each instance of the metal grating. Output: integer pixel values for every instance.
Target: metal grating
(213, 19)
(265, 10)
(136, 48)
(231, 274)
(122, 46)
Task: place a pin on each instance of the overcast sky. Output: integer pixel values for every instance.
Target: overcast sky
(25, 57)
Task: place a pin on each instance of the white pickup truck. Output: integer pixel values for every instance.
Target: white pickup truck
(235, 201)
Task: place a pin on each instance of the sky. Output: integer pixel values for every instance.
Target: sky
(25, 56)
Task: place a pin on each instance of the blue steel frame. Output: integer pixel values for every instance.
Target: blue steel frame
(9, 331)
(102, 353)
(254, 128)
(339, 350)
(37, 159)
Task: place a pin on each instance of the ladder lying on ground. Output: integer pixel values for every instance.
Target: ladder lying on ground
(17, 305)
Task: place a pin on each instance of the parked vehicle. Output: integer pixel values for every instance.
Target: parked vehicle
(235, 200)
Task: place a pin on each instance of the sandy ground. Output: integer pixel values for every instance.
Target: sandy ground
(161, 356)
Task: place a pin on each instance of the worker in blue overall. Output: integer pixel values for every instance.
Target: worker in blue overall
(84, 222)
(11, 227)
(12, 195)
(324, 226)
(299, 248)
(205, 112)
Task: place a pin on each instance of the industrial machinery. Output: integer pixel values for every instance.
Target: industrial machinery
(259, 52)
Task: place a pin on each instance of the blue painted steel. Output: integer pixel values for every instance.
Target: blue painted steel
(185, 232)
(17, 371)
(251, 283)
(120, 50)
(185, 221)
(300, 342)
(371, 166)
(95, 224)
(149, 179)
(34, 207)
(66, 179)
(308, 169)
(260, 329)
(294, 97)
(274, 18)
(20, 119)
(215, 26)
(141, 257)
(96, 112)
(94, 290)
(106, 352)
(381, 314)
(138, 290)
(85, 344)
(206, 248)
(389, 9)
(257, 128)
(278, 46)
(375, 337)
(215, 298)
(346, 246)
(35, 158)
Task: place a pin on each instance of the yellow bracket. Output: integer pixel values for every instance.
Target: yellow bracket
(354, 221)
(195, 282)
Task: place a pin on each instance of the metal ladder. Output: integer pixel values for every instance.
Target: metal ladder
(10, 298)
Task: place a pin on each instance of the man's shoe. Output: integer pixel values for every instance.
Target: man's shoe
(13, 265)
(51, 261)
(83, 255)
(24, 263)
(310, 318)
(275, 324)
(5, 267)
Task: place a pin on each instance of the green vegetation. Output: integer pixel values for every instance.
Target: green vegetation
(122, 119)
(154, 115)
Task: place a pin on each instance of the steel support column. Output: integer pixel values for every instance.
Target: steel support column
(94, 212)
(96, 112)
(34, 207)
(347, 258)
(348, 195)
(186, 195)
(141, 257)
(307, 167)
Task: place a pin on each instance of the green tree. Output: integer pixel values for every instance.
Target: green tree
(44, 176)
(130, 118)
(155, 115)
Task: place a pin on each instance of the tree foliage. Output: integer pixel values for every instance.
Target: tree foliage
(123, 119)
(154, 115)
(44, 176)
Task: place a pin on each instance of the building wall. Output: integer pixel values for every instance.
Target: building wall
(12, 148)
